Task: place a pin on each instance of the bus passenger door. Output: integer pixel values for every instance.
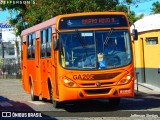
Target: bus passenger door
(54, 71)
(37, 59)
(24, 67)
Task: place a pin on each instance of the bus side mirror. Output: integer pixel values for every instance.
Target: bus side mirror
(56, 44)
(135, 34)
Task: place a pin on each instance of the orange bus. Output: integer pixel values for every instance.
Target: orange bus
(79, 56)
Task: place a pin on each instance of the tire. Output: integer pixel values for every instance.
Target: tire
(55, 103)
(33, 97)
(114, 102)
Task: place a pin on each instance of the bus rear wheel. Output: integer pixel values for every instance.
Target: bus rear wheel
(114, 102)
(55, 103)
(33, 97)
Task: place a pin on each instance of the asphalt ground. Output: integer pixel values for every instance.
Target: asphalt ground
(146, 102)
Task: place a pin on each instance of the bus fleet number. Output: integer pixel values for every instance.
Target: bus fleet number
(83, 77)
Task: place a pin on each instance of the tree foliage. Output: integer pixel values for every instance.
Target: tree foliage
(156, 7)
(19, 7)
(44, 10)
(36, 11)
(131, 16)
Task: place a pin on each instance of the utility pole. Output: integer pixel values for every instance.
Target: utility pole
(1, 40)
(16, 46)
(128, 9)
(2, 46)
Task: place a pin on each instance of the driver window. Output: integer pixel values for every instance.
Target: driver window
(110, 46)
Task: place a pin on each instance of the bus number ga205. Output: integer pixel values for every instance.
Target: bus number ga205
(83, 77)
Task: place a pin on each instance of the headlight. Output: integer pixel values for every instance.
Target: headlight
(67, 82)
(125, 79)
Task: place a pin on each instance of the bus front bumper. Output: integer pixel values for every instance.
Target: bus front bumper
(66, 93)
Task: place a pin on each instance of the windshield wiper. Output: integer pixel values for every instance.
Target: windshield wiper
(107, 37)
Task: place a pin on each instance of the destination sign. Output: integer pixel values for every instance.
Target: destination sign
(95, 21)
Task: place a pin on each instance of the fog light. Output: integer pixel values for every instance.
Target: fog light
(114, 92)
(80, 94)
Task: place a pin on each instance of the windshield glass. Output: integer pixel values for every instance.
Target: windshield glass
(95, 49)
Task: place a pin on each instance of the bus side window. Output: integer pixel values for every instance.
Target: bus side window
(48, 41)
(29, 54)
(43, 43)
(33, 45)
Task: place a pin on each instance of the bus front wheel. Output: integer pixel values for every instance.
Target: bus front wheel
(114, 102)
(55, 103)
(33, 97)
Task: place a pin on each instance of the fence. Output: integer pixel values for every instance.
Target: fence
(10, 68)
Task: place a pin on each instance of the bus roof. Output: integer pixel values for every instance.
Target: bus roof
(39, 26)
(92, 13)
(52, 21)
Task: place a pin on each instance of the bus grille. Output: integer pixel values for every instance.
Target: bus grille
(106, 76)
(97, 91)
(103, 84)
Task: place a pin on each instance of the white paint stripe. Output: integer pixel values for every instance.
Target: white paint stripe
(5, 104)
(37, 102)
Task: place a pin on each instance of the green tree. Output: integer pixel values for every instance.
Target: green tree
(44, 10)
(19, 7)
(131, 15)
(37, 11)
(156, 7)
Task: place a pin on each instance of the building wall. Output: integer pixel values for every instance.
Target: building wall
(9, 40)
(147, 57)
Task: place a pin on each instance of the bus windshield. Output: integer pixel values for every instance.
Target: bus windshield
(85, 50)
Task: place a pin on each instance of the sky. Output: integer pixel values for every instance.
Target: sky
(143, 7)
(138, 8)
(4, 15)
